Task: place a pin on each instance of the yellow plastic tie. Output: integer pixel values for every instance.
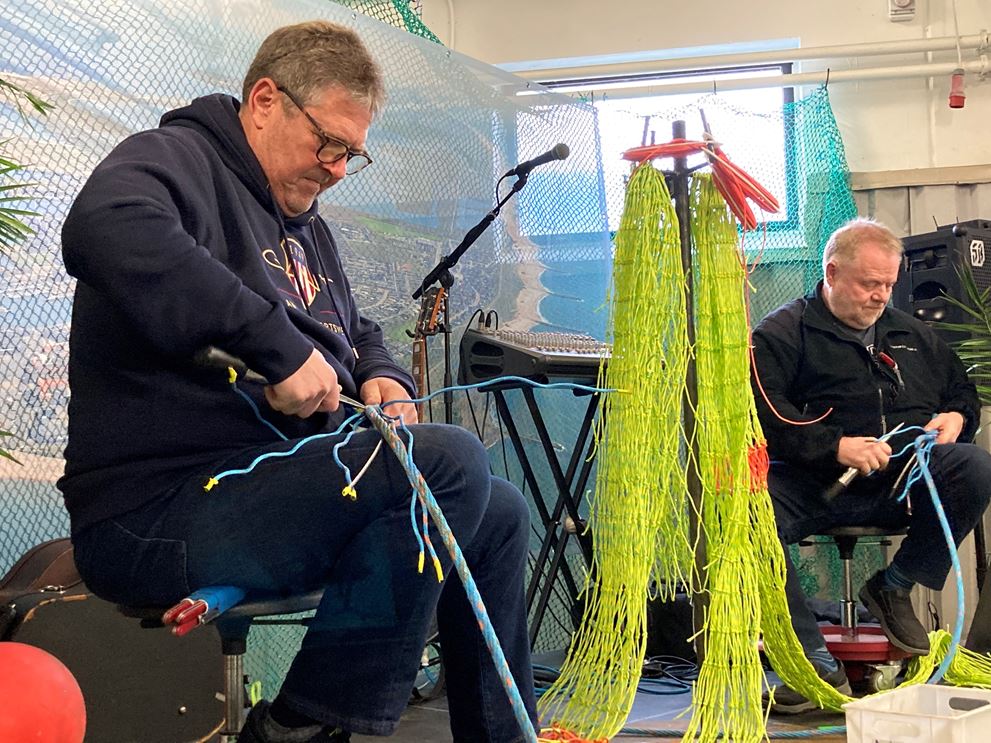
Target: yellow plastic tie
(440, 573)
(255, 692)
(210, 483)
(231, 375)
(350, 492)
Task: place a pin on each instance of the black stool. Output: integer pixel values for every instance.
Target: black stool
(867, 644)
(233, 626)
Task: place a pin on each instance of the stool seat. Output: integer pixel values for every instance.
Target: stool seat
(233, 625)
(864, 531)
(256, 605)
(848, 642)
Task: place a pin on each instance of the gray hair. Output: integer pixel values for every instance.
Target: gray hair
(843, 244)
(308, 57)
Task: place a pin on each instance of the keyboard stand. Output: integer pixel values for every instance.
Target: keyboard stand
(569, 496)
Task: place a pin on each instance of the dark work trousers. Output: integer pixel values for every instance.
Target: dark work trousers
(287, 527)
(962, 474)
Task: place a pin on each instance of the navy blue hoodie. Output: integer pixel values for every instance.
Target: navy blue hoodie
(177, 244)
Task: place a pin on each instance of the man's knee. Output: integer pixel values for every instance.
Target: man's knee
(450, 454)
(965, 471)
(455, 466)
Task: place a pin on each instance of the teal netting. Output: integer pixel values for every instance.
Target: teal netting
(450, 128)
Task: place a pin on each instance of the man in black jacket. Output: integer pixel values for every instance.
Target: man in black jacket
(835, 371)
(205, 232)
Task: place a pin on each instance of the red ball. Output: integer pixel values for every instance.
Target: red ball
(40, 700)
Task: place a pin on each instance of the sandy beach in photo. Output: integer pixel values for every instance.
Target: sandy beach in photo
(526, 312)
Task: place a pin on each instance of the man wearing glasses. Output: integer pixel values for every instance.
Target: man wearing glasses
(203, 233)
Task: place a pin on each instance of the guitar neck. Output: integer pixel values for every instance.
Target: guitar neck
(419, 369)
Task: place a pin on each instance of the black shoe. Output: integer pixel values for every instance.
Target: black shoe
(252, 731)
(787, 701)
(893, 609)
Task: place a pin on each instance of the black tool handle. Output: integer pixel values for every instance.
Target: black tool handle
(212, 357)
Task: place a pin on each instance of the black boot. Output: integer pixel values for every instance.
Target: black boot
(787, 701)
(254, 731)
(893, 609)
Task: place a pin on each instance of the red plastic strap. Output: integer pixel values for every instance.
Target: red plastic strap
(734, 183)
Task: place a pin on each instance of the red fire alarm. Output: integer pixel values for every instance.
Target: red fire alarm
(957, 97)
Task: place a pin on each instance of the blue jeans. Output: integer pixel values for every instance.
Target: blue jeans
(286, 527)
(962, 474)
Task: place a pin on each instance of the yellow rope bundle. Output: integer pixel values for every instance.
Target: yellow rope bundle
(639, 508)
(728, 691)
(640, 511)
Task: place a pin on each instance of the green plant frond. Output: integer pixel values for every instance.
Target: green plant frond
(14, 224)
(12, 90)
(974, 350)
(14, 186)
(12, 210)
(6, 454)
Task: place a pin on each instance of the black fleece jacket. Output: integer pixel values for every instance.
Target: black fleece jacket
(177, 244)
(807, 364)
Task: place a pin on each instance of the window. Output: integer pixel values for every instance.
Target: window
(749, 124)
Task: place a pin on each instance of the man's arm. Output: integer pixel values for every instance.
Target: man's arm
(125, 237)
(778, 352)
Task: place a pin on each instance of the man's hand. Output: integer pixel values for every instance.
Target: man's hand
(312, 387)
(865, 453)
(949, 426)
(383, 389)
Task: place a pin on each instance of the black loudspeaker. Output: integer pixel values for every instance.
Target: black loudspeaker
(931, 267)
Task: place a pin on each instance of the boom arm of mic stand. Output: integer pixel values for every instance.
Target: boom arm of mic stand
(449, 261)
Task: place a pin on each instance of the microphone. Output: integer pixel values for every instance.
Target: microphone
(557, 152)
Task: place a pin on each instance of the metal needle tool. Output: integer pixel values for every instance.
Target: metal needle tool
(847, 477)
(215, 358)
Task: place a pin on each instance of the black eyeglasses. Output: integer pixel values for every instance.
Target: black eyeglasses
(332, 149)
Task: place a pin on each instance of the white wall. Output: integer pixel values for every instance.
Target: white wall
(886, 125)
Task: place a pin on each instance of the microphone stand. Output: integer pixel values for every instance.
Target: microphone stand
(441, 273)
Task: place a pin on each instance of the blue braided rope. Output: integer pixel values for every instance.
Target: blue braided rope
(416, 498)
(429, 502)
(920, 471)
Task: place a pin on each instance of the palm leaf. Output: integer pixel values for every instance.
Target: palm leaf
(6, 454)
(11, 90)
(975, 349)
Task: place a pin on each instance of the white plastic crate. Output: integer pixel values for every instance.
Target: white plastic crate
(921, 714)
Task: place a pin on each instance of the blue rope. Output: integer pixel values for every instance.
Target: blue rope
(920, 471)
(496, 383)
(336, 456)
(461, 566)
(272, 454)
(255, 409)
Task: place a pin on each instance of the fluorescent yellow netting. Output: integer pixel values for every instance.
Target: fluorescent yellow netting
(640, 515)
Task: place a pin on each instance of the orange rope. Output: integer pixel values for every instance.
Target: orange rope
(555, 734)
(733, 182)
(759, 465)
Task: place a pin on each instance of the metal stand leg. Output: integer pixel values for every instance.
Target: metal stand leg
(233, 697)
(848, 604)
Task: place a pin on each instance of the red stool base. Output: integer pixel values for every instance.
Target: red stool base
(866, 644)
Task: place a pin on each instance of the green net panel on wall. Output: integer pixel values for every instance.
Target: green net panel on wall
(450, 128)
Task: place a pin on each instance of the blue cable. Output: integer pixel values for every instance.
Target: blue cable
(257, 412)
(923, 446)
(268, 455)
(496, 381)
(337, 459)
